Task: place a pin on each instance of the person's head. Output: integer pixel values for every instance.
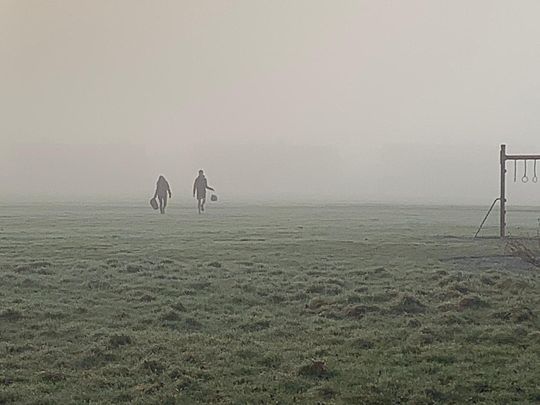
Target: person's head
(201, 172)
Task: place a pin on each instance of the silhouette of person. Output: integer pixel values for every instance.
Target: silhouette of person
(199, 188)
(162, 189)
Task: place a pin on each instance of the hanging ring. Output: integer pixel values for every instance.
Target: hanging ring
(525, 179)
(535, 177)
(515, 171)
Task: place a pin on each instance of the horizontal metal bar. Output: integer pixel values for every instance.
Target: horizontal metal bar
(522, 157)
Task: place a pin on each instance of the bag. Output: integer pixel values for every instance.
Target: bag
(213, 197)
(153, 203)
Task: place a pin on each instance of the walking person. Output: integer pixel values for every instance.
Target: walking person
(162, 191)
(199, 189)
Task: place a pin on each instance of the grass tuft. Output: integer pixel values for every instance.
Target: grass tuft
(116, 341)
(409, 304)
(472, 302)
(153, 365)
(170, 316)
(52, 376)
(147, 298)
(358, 311)
(11, 314)
(133, 268)
(315, 369)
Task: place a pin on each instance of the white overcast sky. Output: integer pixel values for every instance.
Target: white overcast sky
(310, 100)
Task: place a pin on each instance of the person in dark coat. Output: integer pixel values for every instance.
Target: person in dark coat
(162, 191)
(199, 190)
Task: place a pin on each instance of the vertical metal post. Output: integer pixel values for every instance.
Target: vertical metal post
(503, 193)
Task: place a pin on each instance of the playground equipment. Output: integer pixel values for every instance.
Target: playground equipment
(502, 196)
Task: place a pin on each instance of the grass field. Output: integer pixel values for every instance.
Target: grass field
(261, 304)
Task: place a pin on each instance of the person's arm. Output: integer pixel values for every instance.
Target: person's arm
(169, 190)
(155, 194)
(207, 186)
(194, 185)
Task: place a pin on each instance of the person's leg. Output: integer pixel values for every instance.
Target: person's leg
(164, 203)
(202, 204)
(199, 205)
(161, 204)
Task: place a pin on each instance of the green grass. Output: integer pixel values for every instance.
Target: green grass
(244, 305)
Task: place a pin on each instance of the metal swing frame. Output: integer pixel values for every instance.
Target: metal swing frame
(502, 196)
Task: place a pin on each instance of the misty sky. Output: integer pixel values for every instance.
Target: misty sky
(339, 100)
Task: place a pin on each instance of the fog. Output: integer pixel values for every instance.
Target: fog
(351, 101)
